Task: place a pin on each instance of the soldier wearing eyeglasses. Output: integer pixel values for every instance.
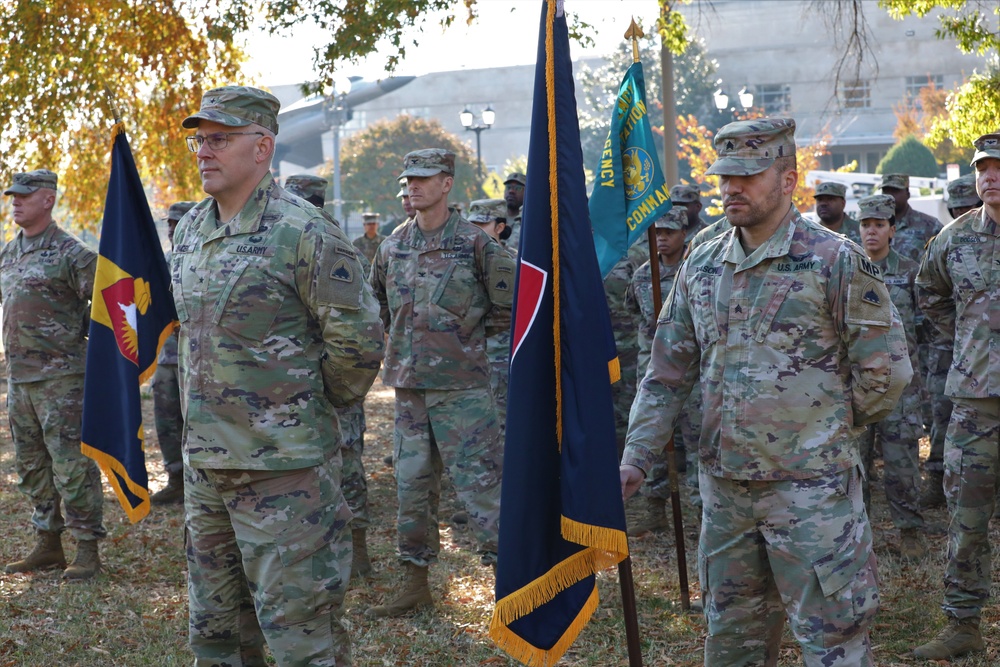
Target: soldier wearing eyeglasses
(278, 330)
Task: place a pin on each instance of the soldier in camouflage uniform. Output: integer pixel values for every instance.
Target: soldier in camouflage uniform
(957, 289)
(900, 432)
(368, 243)
(46, 281)
(830, 201)
(688, 198)
(353, 482)
(962, 198)
(625, 326)
(490, 215)
(513, 194)
(278, 330)
(708, 233)
(790, 331)
(438, 279)
(670, 233)
(167, 415)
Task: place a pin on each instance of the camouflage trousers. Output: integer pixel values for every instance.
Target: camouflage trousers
(45, 421)
(280, 538)
(797, 548)
(938, 363)
(167, 416)
(899, 435)
(970, 485)
(454, 430)
(355, 483)
(498, 353)
(687, 435)
(623, 392)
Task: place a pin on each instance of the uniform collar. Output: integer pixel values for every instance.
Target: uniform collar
(250, 217)
(777, 245)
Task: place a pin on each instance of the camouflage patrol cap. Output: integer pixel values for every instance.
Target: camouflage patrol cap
(877, 206)
(428, 162)
(27, 182)
(898, 181)
(516, 177)
(748, 147)
(370, 216)
(962, 192)
(178, 209)
(306, 185)
(987, 145)
(685, 194)
(237, 106)
(403, 192)
(831, 189)
(675, 218)
(487, 210)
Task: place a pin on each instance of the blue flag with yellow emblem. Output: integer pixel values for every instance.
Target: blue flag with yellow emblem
(630, 193)
(561, 514)
(131, 314)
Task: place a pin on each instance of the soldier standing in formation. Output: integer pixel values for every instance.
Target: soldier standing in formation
(962, 198)
(513, 194)
(46, 281)
(167, 415)
(368, 243)
(278, 329)
(670, 234)
(353, 479)
(784, 324)
(438, 278)
(830, 202)
(958, 291)
(490, 216)
(898, 434)
(688, 198)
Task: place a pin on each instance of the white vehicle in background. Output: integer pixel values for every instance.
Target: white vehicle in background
(861, 185)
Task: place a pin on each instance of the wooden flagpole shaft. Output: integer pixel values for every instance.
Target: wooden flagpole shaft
(675, 494)
(629, 610)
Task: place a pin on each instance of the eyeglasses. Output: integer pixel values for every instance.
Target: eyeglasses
(216, 141)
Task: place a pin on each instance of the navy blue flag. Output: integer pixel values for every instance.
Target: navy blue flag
(131, 315)
(561, 513)
(630, 193)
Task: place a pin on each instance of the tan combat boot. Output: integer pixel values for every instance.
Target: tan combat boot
(47, 554)
(959, 637)
(416, 594)
(172, 493)
(933, 493)
(652, 519)
(911, 544)
(87, 562)
(361, 565)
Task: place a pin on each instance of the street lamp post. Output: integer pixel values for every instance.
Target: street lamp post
(489, 117)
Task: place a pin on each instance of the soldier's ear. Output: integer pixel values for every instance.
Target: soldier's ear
(789, 179)
(264, 148)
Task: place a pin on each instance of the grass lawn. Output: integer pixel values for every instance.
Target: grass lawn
(135, 612)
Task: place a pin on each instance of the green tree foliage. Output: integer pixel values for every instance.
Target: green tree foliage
(974, 107)
(157, 57)
(909, 157)
(370, 163)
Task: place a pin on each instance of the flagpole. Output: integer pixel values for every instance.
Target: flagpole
(634, 33)
(111, 103)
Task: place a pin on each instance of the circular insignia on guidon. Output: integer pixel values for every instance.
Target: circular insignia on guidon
(637, 169)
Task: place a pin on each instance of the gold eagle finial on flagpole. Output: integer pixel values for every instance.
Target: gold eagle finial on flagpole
(634, 32)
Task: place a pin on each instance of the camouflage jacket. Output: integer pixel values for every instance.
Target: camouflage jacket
(278, 328)
(168, 353)
(368, 247)
(624, 324)
(437, 301)
(958, 289)
(639, 301)
(899, 274)
(515, 231)
(913, 231)
(795, 347)
(45, 291)
(850, 228)
(708, 233)
(498, 342)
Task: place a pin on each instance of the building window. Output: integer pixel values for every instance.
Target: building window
(914, 84)
(775, 98)
(856, 95)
